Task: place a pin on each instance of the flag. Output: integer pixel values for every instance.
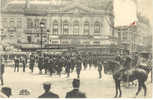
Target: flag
(133, 23)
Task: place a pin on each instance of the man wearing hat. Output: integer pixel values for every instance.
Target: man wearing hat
(48, 93)
(75, 93)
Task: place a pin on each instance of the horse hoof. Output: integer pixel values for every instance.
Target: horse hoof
(115, 96)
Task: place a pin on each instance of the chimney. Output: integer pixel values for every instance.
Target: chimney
(27, 4)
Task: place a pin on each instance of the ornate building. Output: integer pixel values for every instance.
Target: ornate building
(68, 23)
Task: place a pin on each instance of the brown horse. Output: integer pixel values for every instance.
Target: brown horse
(122, 74)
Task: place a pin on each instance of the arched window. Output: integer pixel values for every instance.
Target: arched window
(29, 23)
(76, 28)
(55, 27)
(19, 23)
(86, 28)
(37, 23)
(44, 21)
(97, 27)
(65, 27)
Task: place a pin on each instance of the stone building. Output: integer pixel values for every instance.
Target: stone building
(68, 23)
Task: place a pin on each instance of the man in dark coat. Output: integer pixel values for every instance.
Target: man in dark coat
(1, 71)
(40, 63)
(99, 69)
(78, 68)
(32, 62)
(75, 93)
(48, 93)
(16, 61)
(23, 61)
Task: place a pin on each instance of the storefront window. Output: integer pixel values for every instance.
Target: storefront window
(97, 27)
(55, 27)
(65, 27)
(86, 28)
(76, 28)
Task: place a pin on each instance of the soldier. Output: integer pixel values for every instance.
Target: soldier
(68, 64)
(16, 61)
(23, 63)
(75, 93)
(40, 63)
(46, 58)
(48, 93)
(50, 67)
(32, 62)
(1, 70)
(99, 69)
(78, 68)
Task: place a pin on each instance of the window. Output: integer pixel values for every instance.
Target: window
(86, 28)
(29, 23)
(19, 23)
(76, 28)
(65, 27)
(4, 22)
(29, 39)
(12, 22)
(55, 27)
(119, 35)
(44, 21)
(97, 27)
(37, 23)
(125, 36)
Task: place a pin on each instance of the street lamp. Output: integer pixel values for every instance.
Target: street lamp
(42, 25)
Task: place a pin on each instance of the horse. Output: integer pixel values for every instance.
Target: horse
(120, 74)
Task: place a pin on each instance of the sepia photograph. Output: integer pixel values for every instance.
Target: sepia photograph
(76, 49)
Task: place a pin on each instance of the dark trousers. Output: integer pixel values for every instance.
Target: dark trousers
(16, 67)
(99, 74)
(23, 68)
(2, 83)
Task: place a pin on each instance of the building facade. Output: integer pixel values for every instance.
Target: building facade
(70, 23)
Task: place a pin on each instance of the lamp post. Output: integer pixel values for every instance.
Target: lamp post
(41, 27)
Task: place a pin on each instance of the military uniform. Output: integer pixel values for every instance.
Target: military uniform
(99, 69)
(78, 68)
(16, 61)
(40, 63)
(1, 73)
(32, 62)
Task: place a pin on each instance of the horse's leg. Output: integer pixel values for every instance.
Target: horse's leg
(116, 87)
(145, 89)
(139, 88)
(119, 86)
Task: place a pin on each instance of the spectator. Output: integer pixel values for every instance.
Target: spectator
(75, 93)
(6, 91)
(47, 93)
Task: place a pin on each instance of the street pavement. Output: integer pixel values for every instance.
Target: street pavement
(90, 84)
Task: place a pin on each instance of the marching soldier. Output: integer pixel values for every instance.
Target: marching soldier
(23, 61)
(75, 93)
(78, 68)
(40, 63)
(99, 69)
(1, 70)
(46, 58)
(32, 62)
(16, 61)
(68, 64)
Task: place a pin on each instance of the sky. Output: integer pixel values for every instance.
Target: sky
(125, 11)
